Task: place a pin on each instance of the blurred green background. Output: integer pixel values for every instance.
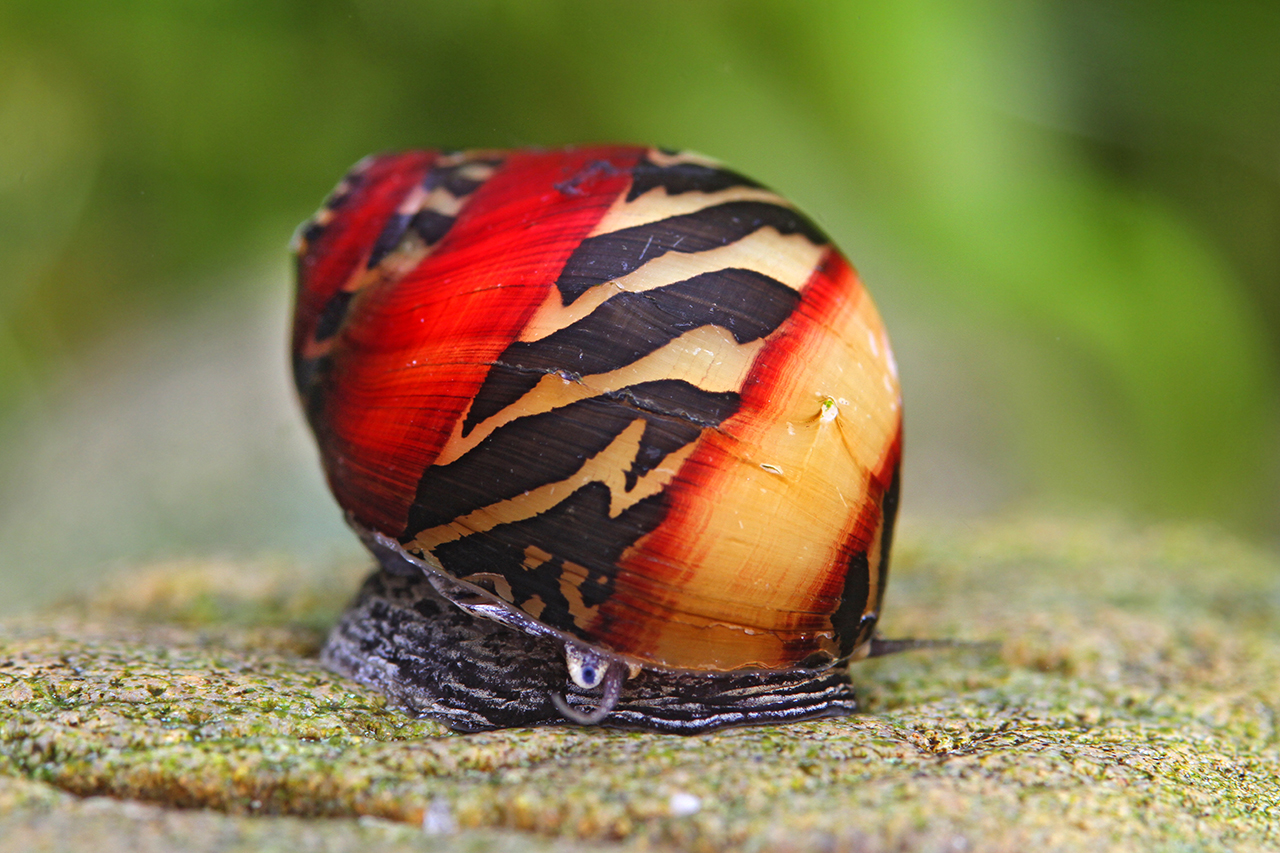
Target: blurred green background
(1068, 212)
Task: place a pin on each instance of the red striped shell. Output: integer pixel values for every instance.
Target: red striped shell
(632, 394)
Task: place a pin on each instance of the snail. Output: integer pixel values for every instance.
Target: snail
(621, 426)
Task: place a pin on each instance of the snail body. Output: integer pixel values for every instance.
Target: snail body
(620, 411)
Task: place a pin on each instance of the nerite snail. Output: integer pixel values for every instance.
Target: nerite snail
(622, 427)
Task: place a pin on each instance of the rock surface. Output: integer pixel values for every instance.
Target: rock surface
(1131, 705)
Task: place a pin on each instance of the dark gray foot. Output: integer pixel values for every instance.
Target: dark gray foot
(436, 660)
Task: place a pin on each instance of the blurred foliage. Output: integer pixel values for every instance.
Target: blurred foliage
(1080, 201)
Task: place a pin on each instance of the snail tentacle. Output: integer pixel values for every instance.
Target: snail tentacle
(612, 691)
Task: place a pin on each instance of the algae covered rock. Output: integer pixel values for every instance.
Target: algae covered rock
(1131, 704)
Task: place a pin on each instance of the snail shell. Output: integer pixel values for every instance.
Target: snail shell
(618, 401)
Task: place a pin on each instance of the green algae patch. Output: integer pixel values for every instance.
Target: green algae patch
(1131, 703)
(36, 817)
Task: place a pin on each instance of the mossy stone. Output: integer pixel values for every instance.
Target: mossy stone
(1131, 704)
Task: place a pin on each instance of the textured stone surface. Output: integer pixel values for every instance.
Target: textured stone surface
(1131, 705)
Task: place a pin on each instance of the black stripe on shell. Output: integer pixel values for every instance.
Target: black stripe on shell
(608, 256)
(453, 178)
(855, 617)
(313, 228)
(847, 618)
(624, 329)
(431, 225)
(311, 377)
(577, 530)
(311, 232)
(678, 178)
(389, 238)
(332, 315)
(889, 506)
(551, 446)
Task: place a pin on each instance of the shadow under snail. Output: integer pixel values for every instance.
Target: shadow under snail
(621, 426)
